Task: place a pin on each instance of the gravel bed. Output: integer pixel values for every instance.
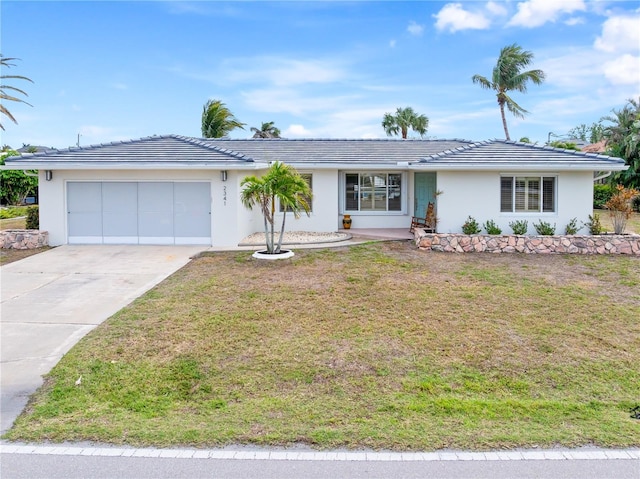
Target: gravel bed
(297, 237)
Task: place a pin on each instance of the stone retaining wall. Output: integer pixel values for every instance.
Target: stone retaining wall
(461, 243)
(23, 239)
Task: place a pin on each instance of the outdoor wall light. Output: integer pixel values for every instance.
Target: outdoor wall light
(223, 175)
(48, 175)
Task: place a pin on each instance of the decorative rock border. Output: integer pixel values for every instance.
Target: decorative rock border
(23, 239)
(461, 243)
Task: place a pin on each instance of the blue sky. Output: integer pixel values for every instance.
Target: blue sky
(119, 70)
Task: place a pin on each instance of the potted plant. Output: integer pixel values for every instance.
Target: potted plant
(281, 183)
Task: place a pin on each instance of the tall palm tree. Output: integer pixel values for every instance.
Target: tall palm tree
(267, 130)
(281, 183)
(5, 62)
(404, 119)
(508, 76)
(217, 120)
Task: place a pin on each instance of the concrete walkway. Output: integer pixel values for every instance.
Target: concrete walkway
(52, 299)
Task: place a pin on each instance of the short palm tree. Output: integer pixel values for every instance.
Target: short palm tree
(508, 76)
(217, 120)
(404, 119)
(281, 183)
(267, 130)
(5, 62)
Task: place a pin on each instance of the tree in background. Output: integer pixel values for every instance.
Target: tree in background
(508, 76)
(565, 145)
(623, 140)
(6, 63)
(592, 134)
(267, 130)
(15, 185)
(404, 119)
(217, 120)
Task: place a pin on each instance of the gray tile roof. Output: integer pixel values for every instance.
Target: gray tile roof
(154, 151)
(331, 152)
(501, 154)
(174, 151)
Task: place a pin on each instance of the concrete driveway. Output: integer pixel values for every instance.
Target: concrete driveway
(52, 299)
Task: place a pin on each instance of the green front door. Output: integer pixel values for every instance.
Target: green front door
(424, 192)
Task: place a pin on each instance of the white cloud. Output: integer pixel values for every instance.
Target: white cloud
(453, 17)
(574, 21)
(496, 9)
(415, 29)
(392, 43)
(534, 13)
(624, 70)
(281, 71)
(120, 86)
(620, 34)
(285, 100)
(296, 131)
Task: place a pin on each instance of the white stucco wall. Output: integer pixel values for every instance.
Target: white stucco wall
(225, 220)
(477, 194)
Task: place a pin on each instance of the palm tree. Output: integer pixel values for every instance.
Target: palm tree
(623, 140)
(284, 184)
(508, 76)
(217, 120)
(6, 63)
(267, 130)
(404, 119)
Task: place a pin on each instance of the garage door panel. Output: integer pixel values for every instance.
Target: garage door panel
(155, 210)
(84, 212)
(119, 212)
(192, 212)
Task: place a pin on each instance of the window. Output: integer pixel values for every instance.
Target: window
(373, 192)
(308, 177)
(524, 194)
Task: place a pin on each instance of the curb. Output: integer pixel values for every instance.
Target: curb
(344, 456)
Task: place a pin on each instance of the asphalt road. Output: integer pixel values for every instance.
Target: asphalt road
(35, 466)
(87, 461)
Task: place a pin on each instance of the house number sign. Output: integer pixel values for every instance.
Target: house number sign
(224, 195)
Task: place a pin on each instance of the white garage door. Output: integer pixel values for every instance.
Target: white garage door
(139, 212)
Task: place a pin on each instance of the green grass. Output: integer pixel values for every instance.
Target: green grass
(376, 346)
(13, 212)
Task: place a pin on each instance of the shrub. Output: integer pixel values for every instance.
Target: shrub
(13, 212)
(471, 226)
(635, 204)
(33, 218)
(519, 227)
(593, 225)
(492, 228)
(572, 228)
(601, 194)
(619, 206)
(544, 228)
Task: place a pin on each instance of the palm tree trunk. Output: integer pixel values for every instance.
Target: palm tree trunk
(504, 122)
(266, 233)
(273, 220)
(284, 217)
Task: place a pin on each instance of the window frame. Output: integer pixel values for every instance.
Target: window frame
(529, 191)
(401, 177)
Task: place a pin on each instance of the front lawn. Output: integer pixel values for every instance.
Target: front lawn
(372, 346)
